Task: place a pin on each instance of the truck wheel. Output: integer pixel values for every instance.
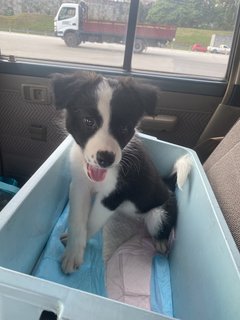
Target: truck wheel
(71, 39)
(162, 44)
(139, 46)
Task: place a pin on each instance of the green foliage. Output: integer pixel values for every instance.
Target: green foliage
(143, 11)
(26, 22)
(186, 37)
(207, 14)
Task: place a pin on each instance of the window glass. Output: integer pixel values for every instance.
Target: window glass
(91, 32)
(66, 13)
(190, 37)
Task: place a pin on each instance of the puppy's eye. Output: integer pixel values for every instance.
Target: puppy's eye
(90, 122)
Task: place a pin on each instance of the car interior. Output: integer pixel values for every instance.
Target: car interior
(195, 112)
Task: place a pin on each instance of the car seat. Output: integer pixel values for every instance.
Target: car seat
(223, 171)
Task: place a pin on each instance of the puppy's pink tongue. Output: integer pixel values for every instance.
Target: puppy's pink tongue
(95, 173)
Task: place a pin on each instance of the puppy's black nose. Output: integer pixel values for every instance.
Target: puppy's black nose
(105, 158)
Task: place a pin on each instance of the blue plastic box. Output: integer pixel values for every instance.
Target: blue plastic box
(204, 262)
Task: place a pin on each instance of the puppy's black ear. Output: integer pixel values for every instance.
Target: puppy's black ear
(148, 96)
(61, 85)
(65, 87)
(145, 96)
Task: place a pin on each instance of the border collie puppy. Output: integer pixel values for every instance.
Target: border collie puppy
(108, 162)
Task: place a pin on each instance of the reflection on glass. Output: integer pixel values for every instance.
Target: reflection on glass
(190, 37)
(85, 32)
(198, 36)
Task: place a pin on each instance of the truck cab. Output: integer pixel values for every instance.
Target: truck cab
(68, 22)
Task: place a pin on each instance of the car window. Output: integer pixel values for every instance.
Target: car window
(66, 13)
(187, 37)
(90, 32)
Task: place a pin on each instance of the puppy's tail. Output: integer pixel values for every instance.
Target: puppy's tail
(182, 169)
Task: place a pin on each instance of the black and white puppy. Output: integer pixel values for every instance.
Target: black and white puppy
(109, 162)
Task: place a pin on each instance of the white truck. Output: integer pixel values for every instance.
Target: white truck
(74, 25)
(222, 49)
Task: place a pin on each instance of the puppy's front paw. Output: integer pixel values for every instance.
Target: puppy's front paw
(72, 259)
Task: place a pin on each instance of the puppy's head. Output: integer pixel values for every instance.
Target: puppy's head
(102, 115)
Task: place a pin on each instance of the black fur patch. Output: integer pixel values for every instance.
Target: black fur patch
(77, 94)
(170, 220)
(138, 181)
(129, 103)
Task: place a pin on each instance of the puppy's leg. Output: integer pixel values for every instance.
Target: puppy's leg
(159, 226)
(98, 216)
(154, 221)
(80, 200)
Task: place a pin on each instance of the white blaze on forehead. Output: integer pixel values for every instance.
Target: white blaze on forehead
(104, 93)
(102, 140)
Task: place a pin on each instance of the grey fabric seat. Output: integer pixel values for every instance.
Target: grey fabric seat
(223, 171)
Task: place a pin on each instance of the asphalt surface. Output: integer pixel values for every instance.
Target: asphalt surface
(154, 59)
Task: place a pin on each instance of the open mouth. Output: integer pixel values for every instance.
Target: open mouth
(95, 173)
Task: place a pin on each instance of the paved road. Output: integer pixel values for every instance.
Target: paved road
(155, 59)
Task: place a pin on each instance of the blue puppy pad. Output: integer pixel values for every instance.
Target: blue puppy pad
(89, 277)
(161, 292)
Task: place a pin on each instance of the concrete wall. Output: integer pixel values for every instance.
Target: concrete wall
(217, 40)
(101, 10)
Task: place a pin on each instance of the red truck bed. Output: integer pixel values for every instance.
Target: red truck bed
(119, 29)
(155, 32)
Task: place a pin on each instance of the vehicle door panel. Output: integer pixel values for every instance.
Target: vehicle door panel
(31, 130)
